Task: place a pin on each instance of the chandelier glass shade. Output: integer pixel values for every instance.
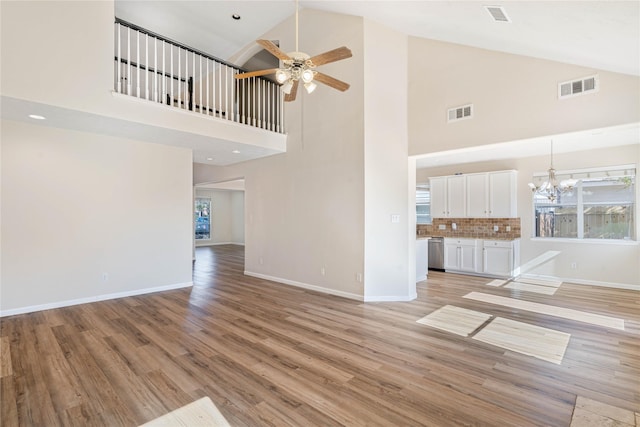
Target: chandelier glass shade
(552, 188)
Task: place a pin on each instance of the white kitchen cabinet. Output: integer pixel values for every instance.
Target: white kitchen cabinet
(456, 191)
(438, 193)
(500, 257)
(477, 195)
(502, 194)
(461, 255)
(491, 195)
(448, 196)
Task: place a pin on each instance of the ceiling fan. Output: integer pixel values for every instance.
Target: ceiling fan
(300, 66)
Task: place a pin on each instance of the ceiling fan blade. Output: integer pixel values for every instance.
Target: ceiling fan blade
(273, 49)
(330, 81)
(256, 73)
(291, 96)
(332, 56)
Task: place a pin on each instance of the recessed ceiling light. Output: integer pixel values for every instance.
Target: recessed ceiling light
(236, 152)
(209, 158)
(236, 16)
(36, 117)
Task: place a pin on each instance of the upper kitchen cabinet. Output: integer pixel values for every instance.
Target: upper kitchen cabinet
(448, 196)
(491, 195)
(478, 195)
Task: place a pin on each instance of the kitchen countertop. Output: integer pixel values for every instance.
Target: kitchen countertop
(507, 239)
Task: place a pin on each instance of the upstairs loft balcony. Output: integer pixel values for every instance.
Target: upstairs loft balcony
(151, 67)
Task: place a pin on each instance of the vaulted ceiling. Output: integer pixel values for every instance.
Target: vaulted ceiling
(598, 34)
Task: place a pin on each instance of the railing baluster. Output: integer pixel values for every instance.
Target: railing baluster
(179, 77)
(138, 61)
(118, 62)
(207, 111)
(155, 69)
(200, 73)
(171, 77)
(146, 64)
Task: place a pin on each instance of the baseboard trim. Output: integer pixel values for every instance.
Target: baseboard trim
(67, 303)
(305, 286)
(584, 282)
(385, 298)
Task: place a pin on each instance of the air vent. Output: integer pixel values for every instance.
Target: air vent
(581, 86)
(460, 113)
(497, 13)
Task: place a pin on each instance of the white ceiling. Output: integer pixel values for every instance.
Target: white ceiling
(598, 34)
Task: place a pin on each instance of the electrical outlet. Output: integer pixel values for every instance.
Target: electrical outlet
(322, 271)
(359, 277)
(496, 228)
(574, 265)
(261, 261)
(442, 227)
(508, 228)
(454, 226)
(105, 277)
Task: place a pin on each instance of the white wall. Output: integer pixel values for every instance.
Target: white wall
(227, 216)
(387, 273)
(237, 217)
(304, 209)
(599, 263)
(76, 205)
(514, 97)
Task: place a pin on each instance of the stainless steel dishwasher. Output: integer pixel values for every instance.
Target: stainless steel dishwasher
(436, 253)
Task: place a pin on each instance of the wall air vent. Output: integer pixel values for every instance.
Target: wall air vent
(577, 87)
(497, 13)
(460, 113)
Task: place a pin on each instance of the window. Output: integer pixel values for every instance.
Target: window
(423, 204)
(203, 218)
(600, 206)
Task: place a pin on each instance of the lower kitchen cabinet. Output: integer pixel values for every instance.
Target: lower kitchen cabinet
(495, 258)
(461, 254)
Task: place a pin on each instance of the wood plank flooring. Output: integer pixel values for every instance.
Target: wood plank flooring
(270, 354)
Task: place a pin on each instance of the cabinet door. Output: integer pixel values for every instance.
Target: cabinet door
(456, 195)
(502, 194)
(438, 189)
(451, 256)
(468, 257)
(497, 258)
(477, 196)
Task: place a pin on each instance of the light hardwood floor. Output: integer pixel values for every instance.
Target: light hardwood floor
(271, 354)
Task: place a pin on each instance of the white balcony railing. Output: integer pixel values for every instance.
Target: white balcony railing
(152, 67)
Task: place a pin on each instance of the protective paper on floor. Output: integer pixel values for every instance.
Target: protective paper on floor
(542, 343)
(528, 287)
(457, 320)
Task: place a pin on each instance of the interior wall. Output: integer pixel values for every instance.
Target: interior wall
(514, 97)
(387, 254)
(304, 209)
(86, 217)
(237, 217)
(597, 262)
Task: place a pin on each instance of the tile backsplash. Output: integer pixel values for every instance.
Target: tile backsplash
(472, 227)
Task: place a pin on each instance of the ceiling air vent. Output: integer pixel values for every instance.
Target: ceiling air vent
(497, 13)
(460, 113)
(577, 87)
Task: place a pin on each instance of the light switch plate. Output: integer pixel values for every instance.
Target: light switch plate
(508, 228)
(395, 218)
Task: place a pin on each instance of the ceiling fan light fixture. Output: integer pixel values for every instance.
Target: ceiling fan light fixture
(286, 88)
(307, 76)
(282, 76)
(310, 86)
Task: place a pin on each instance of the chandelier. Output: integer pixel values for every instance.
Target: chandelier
(552, 187)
